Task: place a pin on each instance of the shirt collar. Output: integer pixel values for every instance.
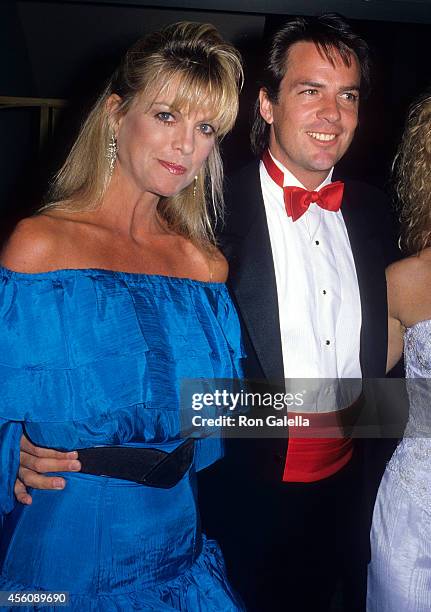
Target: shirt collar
(290, 179)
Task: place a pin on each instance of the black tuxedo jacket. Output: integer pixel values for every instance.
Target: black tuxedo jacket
(246, 244)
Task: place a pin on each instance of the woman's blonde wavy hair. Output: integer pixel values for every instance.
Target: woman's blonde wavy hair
(209, 75)
(412, 173)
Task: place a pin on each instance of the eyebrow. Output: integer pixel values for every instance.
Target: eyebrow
(210, 119)
(168, 106)
(317, 85)
(350, 88)
(162, 103)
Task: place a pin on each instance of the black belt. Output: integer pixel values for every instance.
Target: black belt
(147, 466)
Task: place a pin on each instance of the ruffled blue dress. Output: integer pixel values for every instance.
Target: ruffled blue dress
(94, 357)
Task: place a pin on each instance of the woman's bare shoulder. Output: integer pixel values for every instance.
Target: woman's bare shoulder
(409, 272)
(34, 245)
(409, 285)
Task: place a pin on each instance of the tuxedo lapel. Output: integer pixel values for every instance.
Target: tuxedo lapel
(368, 255)
(247, 246)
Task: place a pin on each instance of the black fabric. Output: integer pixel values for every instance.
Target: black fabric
(147, 466)
(246, 244)
(290, 547)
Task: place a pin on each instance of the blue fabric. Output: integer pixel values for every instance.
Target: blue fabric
(95, 357)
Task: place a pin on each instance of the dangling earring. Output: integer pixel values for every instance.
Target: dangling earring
(195, 186)
(111, 153)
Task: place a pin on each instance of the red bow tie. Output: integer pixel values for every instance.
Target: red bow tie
(296, 199)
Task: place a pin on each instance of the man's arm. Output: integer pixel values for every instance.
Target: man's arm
(35, 462)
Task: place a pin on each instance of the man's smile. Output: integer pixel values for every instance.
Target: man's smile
(322, 137)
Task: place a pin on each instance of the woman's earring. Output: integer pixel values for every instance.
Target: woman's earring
(195, 186)
(111, 153)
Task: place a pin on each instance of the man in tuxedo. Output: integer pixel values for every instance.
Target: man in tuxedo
(307, 274)
(307, 256)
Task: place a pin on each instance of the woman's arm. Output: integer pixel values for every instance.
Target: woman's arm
(409, 301)
(32, 247)
(395, 342)
(396, 328)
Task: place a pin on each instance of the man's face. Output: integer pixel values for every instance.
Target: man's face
(314, 120)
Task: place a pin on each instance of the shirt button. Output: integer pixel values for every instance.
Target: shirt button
(328, 342)
(316, 242)
(324, 292)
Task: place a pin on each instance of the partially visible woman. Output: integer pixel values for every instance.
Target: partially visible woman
(399, 576)
(110, 297)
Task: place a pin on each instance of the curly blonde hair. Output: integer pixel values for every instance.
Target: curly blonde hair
(209, 74)
(412, 173)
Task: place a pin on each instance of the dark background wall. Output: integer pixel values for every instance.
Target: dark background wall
(67, 49)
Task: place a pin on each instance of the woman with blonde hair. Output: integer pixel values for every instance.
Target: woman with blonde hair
(109, 297)
(399, 576)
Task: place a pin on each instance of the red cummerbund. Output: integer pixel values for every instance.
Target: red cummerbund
(313, 458)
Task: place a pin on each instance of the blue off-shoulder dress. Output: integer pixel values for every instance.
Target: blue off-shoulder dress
(94, 357)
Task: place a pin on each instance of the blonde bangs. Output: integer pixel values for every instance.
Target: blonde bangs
(196, 90)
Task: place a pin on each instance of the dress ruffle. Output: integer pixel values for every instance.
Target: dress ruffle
(201, 588)
(95, 342)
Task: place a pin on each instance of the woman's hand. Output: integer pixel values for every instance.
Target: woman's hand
(34, 462)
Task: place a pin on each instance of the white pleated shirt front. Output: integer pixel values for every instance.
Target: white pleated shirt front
(317, 287)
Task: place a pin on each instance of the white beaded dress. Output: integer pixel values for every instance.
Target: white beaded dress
(399, 575)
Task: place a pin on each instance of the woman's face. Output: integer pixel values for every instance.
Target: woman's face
(161, 149)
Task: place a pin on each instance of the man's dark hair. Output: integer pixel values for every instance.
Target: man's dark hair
(332, 35)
